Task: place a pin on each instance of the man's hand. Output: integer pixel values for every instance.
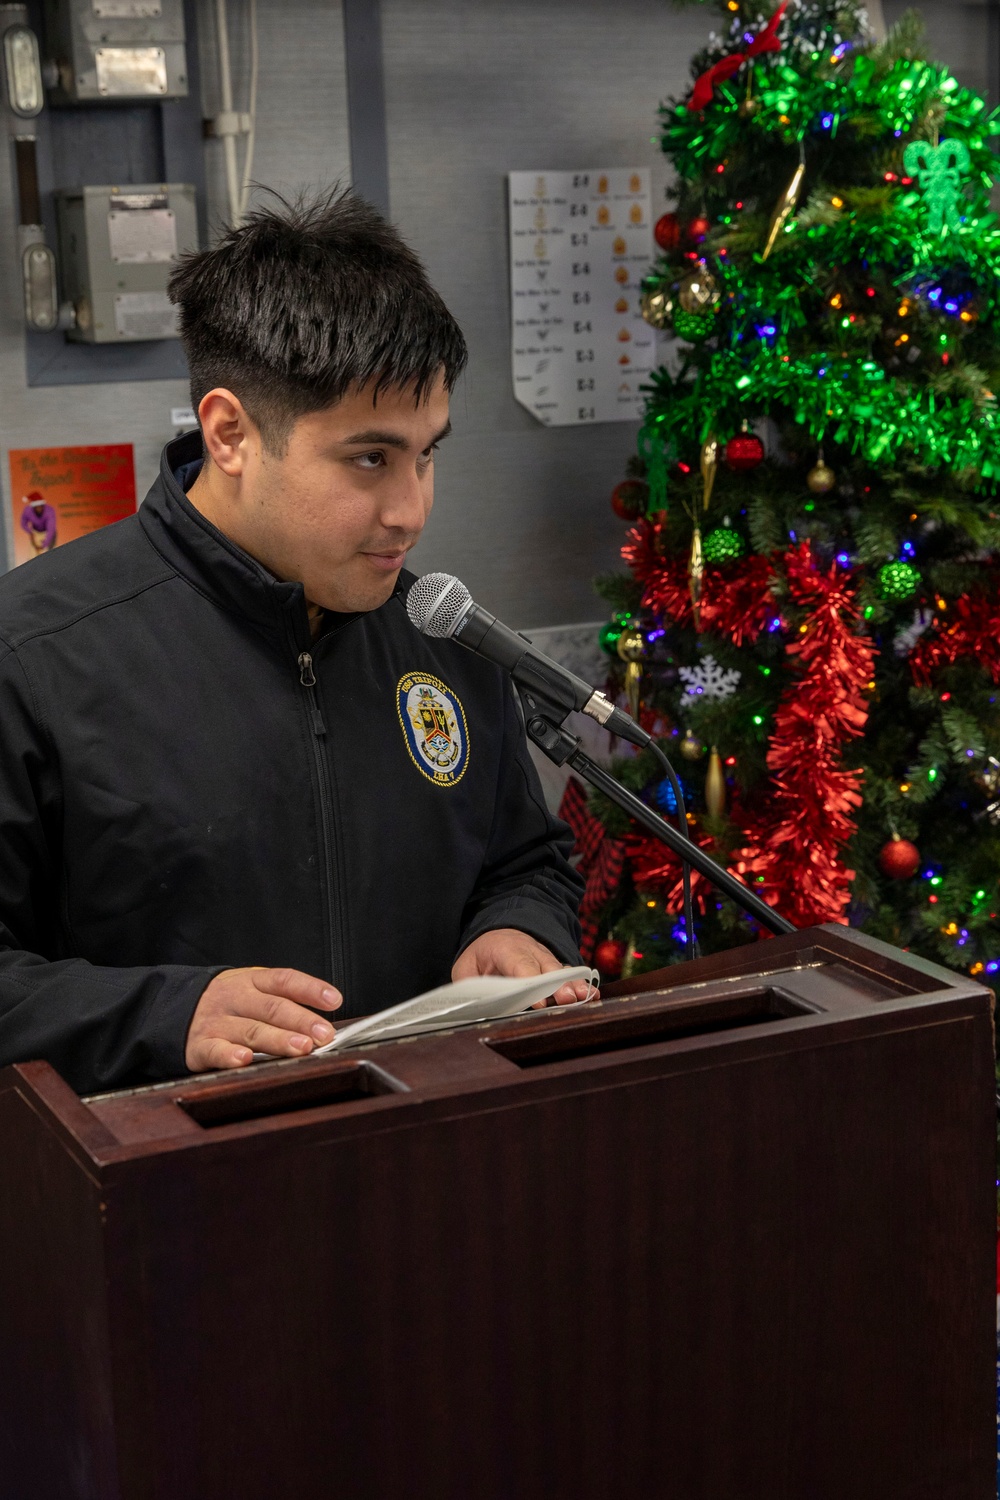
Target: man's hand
(516, 955)
(244, 1011)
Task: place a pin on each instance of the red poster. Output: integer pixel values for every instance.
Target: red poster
(57, 494)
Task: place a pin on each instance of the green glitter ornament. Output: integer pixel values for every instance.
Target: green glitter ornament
(898, 581)
(693, 326)
(722, 546)
(611, 633)
(939, 170)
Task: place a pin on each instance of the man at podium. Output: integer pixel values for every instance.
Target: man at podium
(239, 792)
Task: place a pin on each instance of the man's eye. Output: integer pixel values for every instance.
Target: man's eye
(370, 460)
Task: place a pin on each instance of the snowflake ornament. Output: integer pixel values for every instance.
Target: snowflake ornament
(709, 680)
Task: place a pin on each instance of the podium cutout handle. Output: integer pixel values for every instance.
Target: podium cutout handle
(233, 1103)
(760, 1006)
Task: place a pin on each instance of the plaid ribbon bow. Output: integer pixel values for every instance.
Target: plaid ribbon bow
(601, 862)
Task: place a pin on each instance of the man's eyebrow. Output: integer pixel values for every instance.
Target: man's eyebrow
(390, 439)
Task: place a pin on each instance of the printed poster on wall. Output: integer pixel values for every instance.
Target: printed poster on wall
(58, 494)
(580, 245)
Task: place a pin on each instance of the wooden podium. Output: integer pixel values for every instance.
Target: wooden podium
(728, 1235)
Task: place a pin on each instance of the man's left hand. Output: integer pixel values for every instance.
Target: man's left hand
(515, 955)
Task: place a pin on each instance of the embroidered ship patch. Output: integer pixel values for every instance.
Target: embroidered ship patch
(433, 723)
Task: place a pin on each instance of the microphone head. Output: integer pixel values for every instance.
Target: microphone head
(437, 604)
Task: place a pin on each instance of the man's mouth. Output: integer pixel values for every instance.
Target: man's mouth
(387, 562)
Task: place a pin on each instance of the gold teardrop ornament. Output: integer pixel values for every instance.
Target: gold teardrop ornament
(715, 785)
(785, 208)
(631, 649)
(709, 465)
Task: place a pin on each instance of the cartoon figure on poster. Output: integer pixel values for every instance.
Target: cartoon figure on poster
(38, 519)
(59, 494)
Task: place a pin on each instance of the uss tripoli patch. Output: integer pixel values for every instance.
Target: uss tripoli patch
(434, 727)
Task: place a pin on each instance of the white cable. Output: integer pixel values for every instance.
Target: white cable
(252, 110)
(226, 89)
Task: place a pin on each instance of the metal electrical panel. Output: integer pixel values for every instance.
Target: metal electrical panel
(112, 51)
(117, 246)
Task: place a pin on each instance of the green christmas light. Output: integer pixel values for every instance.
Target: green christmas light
(898, 581)
(723, 545)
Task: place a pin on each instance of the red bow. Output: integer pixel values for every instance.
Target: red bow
(601, 862)
(765, 41)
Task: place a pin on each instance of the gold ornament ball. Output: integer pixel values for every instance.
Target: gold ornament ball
(631, 645)
(821, 479)
(657, 309)
(748, 109)
(699, 292)
(691, 748)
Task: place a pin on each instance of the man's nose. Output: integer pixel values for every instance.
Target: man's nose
(405, 507)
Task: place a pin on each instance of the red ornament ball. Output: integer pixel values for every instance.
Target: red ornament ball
(698, 230)
(609, 957)
(629, 499)
(667, 232)
(744, 452)
(899, 859)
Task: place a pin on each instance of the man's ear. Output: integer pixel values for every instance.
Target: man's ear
(229, 433)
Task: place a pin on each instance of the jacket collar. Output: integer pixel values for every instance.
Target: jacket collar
(207, 558)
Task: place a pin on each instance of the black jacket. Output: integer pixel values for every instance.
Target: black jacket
(176, 798)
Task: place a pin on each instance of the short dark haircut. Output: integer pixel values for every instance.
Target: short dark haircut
(306, 300)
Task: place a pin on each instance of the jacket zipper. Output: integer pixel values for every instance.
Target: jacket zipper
(307, 678)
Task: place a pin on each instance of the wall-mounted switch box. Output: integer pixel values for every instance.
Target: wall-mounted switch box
(116, 51)
(117, 246)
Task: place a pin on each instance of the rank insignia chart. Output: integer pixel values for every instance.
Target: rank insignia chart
(580, 245)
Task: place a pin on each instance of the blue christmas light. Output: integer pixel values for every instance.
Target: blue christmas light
(774, 625)
(679, 933)
(843, 559)
(841, 51)
(655, 635)
(663, 796)
(991, 968)
(908, 549)
(827, 122)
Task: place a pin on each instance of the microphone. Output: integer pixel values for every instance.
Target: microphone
(439, 605)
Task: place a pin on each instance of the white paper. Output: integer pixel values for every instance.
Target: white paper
(485, 998)
(580, 245)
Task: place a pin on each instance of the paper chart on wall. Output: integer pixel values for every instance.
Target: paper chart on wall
(580, 245)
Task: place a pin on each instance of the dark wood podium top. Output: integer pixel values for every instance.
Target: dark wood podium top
(776, 993)
(727, 1233)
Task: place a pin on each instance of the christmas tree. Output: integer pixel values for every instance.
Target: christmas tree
(811, 617)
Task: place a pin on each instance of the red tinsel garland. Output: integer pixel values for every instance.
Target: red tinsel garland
(971, 629)
(655, 867)
(797, 848)
(735, 600)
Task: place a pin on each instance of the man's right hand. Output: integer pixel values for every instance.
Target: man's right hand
(243, 1011)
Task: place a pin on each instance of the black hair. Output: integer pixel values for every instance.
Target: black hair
(305, 300)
